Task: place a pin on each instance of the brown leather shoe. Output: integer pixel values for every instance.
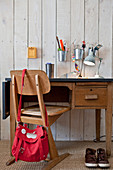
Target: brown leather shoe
(90, 158)
(102, 158)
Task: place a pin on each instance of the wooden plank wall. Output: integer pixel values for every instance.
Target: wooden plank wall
(36, 23)
(6, 51)
(91, 37)
(77, 32)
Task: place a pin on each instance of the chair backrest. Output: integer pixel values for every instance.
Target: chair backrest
(30, 82)
(37, 83)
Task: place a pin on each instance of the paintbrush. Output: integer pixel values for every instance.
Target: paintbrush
(58, 42)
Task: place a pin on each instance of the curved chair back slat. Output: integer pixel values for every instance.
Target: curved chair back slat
(29, 81)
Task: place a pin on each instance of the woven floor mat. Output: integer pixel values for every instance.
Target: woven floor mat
(73, 162)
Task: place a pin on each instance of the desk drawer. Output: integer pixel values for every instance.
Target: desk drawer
(90, 96)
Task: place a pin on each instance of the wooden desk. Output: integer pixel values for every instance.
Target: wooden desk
(81, 94)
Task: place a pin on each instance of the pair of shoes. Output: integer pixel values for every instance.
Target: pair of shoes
(93, 161)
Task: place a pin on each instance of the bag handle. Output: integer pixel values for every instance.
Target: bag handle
(20, 102)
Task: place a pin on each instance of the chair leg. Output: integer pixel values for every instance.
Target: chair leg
(54, 157)
(52, 147)
(55, 161)
(11, 161)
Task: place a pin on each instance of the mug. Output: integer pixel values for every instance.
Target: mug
(50, 70)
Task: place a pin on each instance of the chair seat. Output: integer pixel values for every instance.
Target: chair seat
(51, 110)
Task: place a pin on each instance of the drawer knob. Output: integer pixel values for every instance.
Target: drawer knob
(91, 97)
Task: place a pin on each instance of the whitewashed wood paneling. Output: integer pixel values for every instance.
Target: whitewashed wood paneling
(49, 32)
(91, 37)
(36, 23)
(34, 36)
(89, 130)
(77, 35)
(112, 36)
(6, 50)
(102, 125)
(77, 26)
(49, 38)
(62, 127)
(77, 125)
(20, 34)
(35, 32)
(91, 31)
(105, 37)
(112, 55)
(63, 32)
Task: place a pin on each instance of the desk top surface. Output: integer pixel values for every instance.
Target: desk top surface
(81, 79)
(76, 79)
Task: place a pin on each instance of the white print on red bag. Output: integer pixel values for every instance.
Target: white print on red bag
(23, 131)
(29, 135)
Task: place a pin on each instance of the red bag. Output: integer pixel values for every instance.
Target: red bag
(29, 145)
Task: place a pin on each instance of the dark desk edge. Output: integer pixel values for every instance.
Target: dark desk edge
(76, 79)
(81, 79)
(7, 79)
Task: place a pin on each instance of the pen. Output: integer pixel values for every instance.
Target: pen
(62, 46)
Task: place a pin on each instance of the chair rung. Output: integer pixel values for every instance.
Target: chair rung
(32, 120)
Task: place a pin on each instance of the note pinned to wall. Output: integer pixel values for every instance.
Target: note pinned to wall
(32, 52)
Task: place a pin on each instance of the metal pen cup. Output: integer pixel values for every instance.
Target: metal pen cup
(62, 55)
(50, 70)
(89, 50)
(78, 53)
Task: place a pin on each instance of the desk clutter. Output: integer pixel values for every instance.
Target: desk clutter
(79, 56)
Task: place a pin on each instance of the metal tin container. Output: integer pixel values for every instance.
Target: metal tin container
(50, 70)
(89, 50)
(78, 53)
(62, 55)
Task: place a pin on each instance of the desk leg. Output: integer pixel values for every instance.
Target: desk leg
(108, 130)
(98, 115)
(12, 120)
(108, 118)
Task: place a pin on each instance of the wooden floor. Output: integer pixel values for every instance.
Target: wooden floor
(74, 162)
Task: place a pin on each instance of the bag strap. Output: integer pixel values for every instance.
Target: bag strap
(18, 149)
(41, 149)
(20, 102)
(46, 117)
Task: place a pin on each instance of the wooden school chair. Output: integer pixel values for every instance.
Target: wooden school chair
(37, 83)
